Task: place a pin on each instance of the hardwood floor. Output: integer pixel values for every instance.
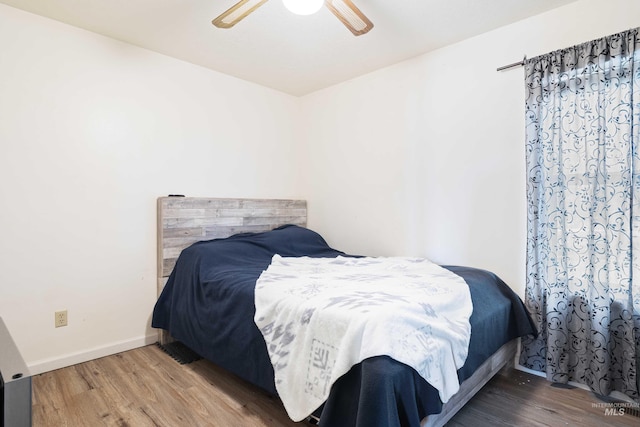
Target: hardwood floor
(516, 398)
(145, 387)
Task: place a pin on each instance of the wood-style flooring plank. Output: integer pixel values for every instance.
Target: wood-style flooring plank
(516, 398)
(145, 387)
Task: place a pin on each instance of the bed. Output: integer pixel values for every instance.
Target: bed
(206, 290)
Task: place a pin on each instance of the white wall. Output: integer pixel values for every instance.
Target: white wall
(422, 158)
(92, 131)
(426, 157)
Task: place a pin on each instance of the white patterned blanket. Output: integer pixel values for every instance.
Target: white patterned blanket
(321, 316)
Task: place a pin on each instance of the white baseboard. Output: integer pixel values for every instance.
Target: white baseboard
(40, 366)
(519, 367)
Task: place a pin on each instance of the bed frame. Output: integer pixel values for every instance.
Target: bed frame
(183, 221)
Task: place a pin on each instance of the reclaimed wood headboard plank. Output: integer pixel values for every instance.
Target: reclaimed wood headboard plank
(183, 221)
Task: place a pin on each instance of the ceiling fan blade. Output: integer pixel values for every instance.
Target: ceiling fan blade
(236, 13)
(350, 15)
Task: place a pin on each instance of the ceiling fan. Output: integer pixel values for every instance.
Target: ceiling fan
(345, 10)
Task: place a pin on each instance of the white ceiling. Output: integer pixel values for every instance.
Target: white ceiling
(290, 53)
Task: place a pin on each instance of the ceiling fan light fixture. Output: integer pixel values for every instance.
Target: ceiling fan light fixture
(303, 7)
(347, 12)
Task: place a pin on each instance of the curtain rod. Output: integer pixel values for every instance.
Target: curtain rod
(515, 64)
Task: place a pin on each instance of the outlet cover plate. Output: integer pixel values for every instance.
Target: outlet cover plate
(61, 318)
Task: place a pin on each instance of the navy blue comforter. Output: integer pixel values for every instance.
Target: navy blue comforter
(208, 304)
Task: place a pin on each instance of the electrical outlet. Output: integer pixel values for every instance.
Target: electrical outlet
(61, 318)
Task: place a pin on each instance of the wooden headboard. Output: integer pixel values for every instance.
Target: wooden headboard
(183, 221)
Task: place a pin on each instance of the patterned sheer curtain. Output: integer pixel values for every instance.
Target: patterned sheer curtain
(583, 193)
